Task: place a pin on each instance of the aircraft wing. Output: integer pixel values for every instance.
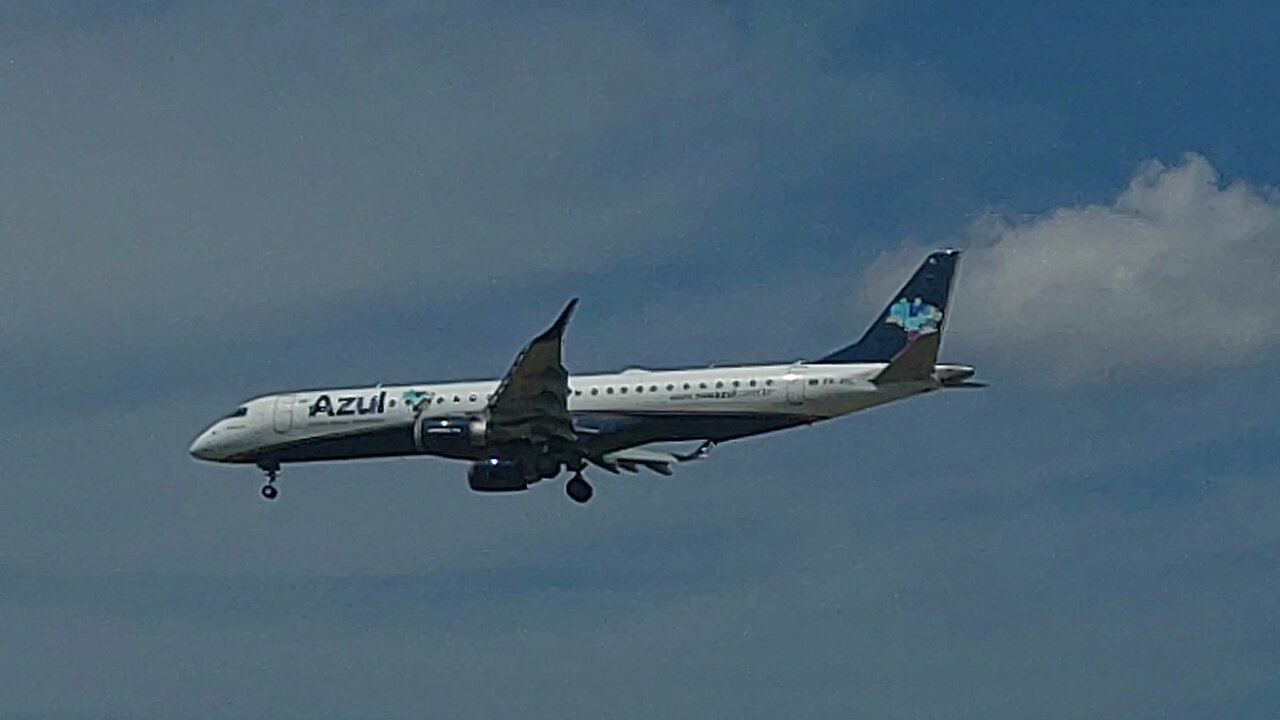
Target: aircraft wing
(633, 459)
(531, 403)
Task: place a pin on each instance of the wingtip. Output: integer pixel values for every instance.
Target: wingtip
(565, 314)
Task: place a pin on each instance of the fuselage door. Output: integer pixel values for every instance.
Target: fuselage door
(795, 389)
(284, 413)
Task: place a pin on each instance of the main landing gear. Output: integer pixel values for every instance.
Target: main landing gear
(272, 469)
(578, 489)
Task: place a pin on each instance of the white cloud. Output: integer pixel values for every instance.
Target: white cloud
(1180, 273)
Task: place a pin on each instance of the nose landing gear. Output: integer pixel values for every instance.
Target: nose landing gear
(578, 489)
(272, 469)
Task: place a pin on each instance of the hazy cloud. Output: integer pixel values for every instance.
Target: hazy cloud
(202, 203)
(1178, 273)
(199, 170)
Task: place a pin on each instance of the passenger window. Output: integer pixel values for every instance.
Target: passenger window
(608, 391)
(653, 388)
(577, 392)
(457, 399)
(640, 388)
(473, 397)
(686, 386)
(752, 383)
(769, 381)
(595, 391)
(719, 384)
(736, 383)
(623, 389)
(670, 387)
(813, 382)
(702, 385)
(440, 400)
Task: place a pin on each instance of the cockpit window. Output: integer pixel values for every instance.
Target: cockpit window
(240, 412)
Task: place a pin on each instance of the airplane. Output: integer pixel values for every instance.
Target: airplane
(538, 422)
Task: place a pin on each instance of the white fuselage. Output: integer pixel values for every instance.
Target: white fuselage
(795, 393)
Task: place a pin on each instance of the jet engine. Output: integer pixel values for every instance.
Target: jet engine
(496, 475)
(450, 435)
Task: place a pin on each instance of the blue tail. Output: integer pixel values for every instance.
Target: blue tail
(919, 308)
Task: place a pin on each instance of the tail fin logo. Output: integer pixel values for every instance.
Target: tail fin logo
(916, 317)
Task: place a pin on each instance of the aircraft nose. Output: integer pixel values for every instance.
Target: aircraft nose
(202, 447)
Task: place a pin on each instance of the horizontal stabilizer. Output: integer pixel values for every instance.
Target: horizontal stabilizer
(914, 363)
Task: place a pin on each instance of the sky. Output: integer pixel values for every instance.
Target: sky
(207, 202)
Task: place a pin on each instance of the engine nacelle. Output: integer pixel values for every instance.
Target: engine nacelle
(497, 476)
(453, 436)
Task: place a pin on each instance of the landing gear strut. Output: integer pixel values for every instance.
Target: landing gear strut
(578, 489)
(272, 469)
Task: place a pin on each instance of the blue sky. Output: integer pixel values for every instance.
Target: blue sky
(205, 204)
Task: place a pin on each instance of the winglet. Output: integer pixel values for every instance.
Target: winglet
(557, 328)
(701, 452)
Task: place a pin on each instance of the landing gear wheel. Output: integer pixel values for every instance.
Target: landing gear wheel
(578, 489)
(272, 469)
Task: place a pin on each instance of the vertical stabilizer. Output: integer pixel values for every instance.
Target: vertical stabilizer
(919, 309)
